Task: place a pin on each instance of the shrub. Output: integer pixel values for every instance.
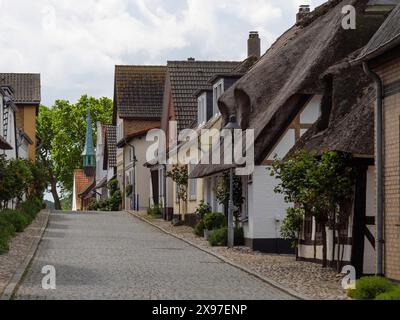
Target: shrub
(219, 237)
(4, 243)
(17, 218)
(7, 230)
(154, 211)
(31, 208)
(393, 294)
(214, 221)
(203, 209)
(199, 229)
(369, 288)
(12, 221)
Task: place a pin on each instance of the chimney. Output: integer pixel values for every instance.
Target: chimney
(304, 10)
(254, 45)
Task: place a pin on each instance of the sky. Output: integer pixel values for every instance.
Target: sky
(75, 44)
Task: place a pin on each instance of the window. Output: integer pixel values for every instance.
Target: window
(202, 109)
(192, 185)
(218, 91)
(120, 130)
(308, 227)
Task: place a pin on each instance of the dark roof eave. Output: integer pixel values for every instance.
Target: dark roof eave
(4, 145)
(380, 51)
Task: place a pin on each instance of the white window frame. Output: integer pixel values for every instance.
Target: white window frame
(202, 109)
(120, 130)
(192, 185)
(218, 91)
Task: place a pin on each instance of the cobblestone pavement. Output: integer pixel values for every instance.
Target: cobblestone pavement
(115, 256)
(305, 278)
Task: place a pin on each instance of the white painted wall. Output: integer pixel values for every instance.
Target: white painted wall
(11, 154)
(140, 175)
(312, 111)
(287, 142)
(266, 208)
(100, 172)
(23, 151)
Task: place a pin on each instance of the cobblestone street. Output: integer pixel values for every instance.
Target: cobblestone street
(116, 256)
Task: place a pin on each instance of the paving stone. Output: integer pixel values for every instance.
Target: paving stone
(115, 256)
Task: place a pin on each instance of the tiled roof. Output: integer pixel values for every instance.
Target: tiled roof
(139, 91)
(387, 37)
(186, 78)
(111, 145)
(82, 181)
(26, 86)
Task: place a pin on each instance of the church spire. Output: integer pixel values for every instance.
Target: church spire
(89, 156)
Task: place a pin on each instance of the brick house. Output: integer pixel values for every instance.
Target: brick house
(26, 97)
(381, 59)
(183, 79)
(138, 95)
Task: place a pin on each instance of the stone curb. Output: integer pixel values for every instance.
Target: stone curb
(222, 258)
(12, 286)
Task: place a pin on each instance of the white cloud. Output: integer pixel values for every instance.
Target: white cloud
(75, 44)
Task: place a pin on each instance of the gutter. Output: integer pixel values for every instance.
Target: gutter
(379, 164)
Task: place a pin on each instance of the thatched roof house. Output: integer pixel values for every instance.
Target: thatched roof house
(268, 98)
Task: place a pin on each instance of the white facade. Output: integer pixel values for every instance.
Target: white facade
(264, 210)
(100, 172)
(7, 127)
(137, 175)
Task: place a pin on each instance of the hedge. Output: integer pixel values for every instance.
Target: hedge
(369, 288)
(12, 221)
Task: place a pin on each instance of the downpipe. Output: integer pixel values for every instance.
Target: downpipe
(379, 165)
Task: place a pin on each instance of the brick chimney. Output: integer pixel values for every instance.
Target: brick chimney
(304, 10)
(254, 45)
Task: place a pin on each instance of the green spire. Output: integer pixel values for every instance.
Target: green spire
(89, 156)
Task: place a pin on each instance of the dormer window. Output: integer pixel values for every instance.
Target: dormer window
(218, 90)
(202, 109)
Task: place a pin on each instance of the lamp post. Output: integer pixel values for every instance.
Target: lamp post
(232, 126)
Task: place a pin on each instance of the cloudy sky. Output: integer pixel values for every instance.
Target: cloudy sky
(75, 44)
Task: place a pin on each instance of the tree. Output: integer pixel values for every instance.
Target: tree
(320, 186)
(179, 174)
(61, 131)
(222, 191)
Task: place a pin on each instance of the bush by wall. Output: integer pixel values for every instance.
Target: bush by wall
(155, 211)
(219, 237)
(214, 221)
(368, 288)
(199, 229)
(393, 294)
(12, 221)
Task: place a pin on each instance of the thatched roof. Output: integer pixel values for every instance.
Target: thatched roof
(387, 37)
(349, 114)
(269, 97)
